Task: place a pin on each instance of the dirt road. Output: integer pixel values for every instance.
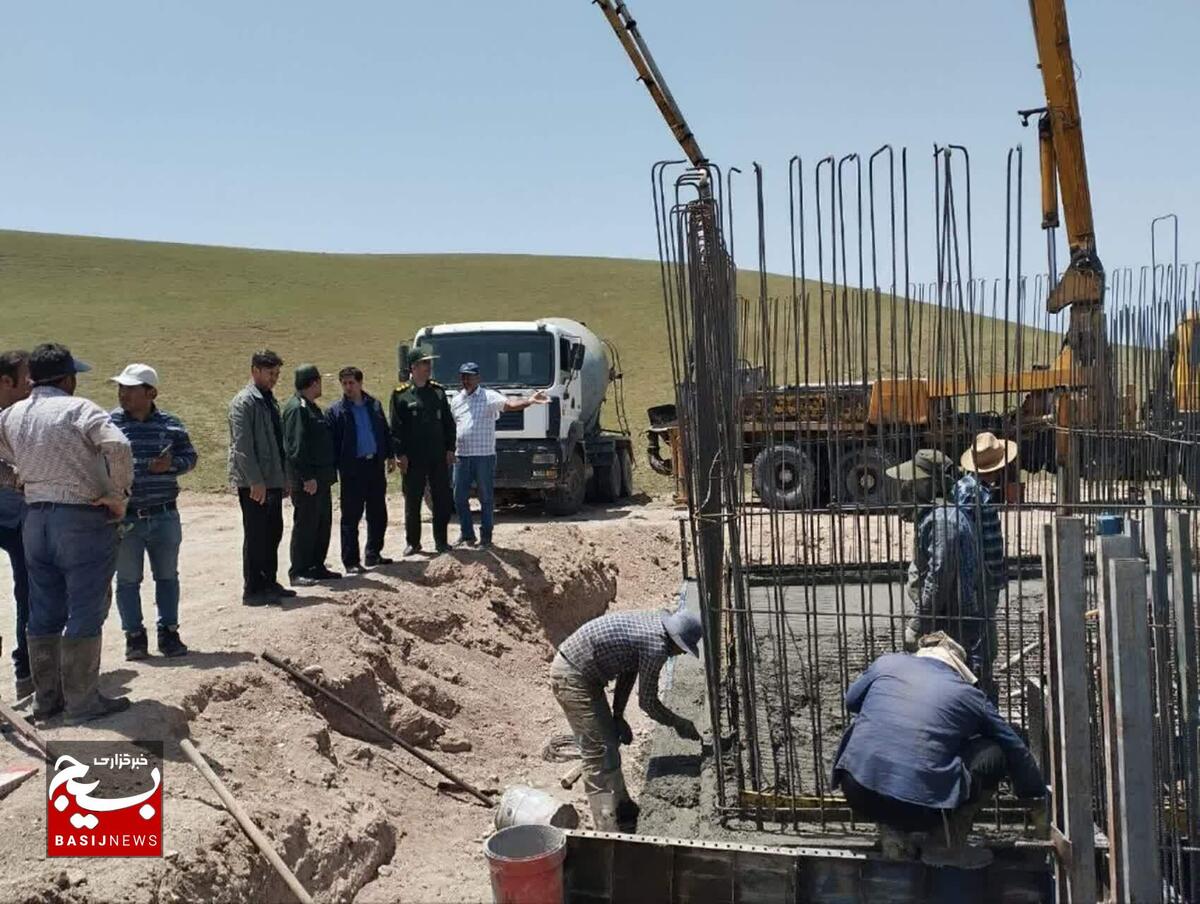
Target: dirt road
(450, 651)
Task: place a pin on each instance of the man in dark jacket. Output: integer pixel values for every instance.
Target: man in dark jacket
(423, 442)
(256, 469)
(311, 470)
(363, 447)
(925, 750)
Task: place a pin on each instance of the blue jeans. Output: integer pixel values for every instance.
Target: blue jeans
(479, 470)
(158, 537)
(70, 552)
(10, 542)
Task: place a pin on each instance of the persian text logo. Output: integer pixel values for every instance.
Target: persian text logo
(104, 799)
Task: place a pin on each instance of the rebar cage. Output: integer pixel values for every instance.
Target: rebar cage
(797, 394)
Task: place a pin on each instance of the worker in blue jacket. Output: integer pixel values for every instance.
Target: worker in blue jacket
(925, 750)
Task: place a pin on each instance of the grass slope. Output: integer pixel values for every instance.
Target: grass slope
(197, 312)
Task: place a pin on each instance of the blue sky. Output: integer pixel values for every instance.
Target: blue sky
(472, 126)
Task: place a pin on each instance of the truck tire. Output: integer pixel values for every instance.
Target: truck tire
(567, 498)
(626, 456)
(784, 477)
(862, 481)
(607, 479)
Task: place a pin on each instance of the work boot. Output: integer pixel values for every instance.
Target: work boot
(949, 846)
(136, 645)
(895, 844)
(627, 816)
(604, 811)
(80, 668)
(23, 687)
(321, 573)
(169, 643)
(372, 561)
(45, 653)
(279, 591)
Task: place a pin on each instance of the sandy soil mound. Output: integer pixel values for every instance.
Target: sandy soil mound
(450, 653)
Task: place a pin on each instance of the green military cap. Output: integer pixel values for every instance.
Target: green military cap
(419, 354)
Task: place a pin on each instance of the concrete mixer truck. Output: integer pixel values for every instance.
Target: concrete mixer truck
(559, 452)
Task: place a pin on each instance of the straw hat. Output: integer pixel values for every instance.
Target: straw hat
(989, 453)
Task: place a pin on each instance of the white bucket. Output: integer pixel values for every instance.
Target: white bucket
(525, 806)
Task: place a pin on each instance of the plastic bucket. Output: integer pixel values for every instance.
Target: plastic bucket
(526, 863)
(525, 806)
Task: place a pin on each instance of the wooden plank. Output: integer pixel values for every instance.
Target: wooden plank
(1053, 771)
(1108, 549)
(22, 727)
(1182, 601)
(1074, 729)
(1129, 632)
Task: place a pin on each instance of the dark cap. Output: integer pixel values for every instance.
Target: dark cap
(306, 375)
(50, 362)
(419, 354)
(469, 368)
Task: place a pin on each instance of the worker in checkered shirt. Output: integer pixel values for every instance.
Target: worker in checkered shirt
(622, 647)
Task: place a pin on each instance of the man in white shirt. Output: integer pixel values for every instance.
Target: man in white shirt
(476, 411)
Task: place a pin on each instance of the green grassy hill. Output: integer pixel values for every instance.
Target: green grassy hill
(197, 312)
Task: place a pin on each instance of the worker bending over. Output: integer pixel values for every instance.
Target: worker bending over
(925, 750)
(624, 647)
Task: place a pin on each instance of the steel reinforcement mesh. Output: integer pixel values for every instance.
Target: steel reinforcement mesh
(796, 394)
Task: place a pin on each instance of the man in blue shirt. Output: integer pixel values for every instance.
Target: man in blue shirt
(15, 386)
(925, 750)
(363, 446)
(161, 452)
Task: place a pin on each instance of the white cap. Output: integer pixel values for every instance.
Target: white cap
(136, 375)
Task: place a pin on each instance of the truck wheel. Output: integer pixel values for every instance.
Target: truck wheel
(567, 498)
(608, 480)
(784, 477)
(862, 479)
(626, 473)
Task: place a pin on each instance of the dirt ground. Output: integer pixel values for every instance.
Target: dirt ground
(451, 651)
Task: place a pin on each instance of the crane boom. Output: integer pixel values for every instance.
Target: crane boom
(1063, 163)
(625, 27)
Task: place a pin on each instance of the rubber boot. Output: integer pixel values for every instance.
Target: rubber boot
(949, 847)
(80, 682)
(45, 653)
(605, 799)
(895, 844)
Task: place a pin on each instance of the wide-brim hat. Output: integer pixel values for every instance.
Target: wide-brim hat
(989, 453)
(685, 629)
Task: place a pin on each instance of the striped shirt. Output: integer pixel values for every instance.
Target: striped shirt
(620, 644)
(975, 499)
(475, 415)
(65, 448)
(148, 439)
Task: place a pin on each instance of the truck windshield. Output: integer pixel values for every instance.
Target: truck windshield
(504, 358)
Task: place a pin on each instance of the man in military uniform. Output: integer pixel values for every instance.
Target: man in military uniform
(423, 443)
(311, 470)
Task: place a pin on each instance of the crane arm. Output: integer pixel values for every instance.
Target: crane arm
(625, 27)
(1063, 163)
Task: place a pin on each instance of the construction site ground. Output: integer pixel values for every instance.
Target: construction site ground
(451, 651)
